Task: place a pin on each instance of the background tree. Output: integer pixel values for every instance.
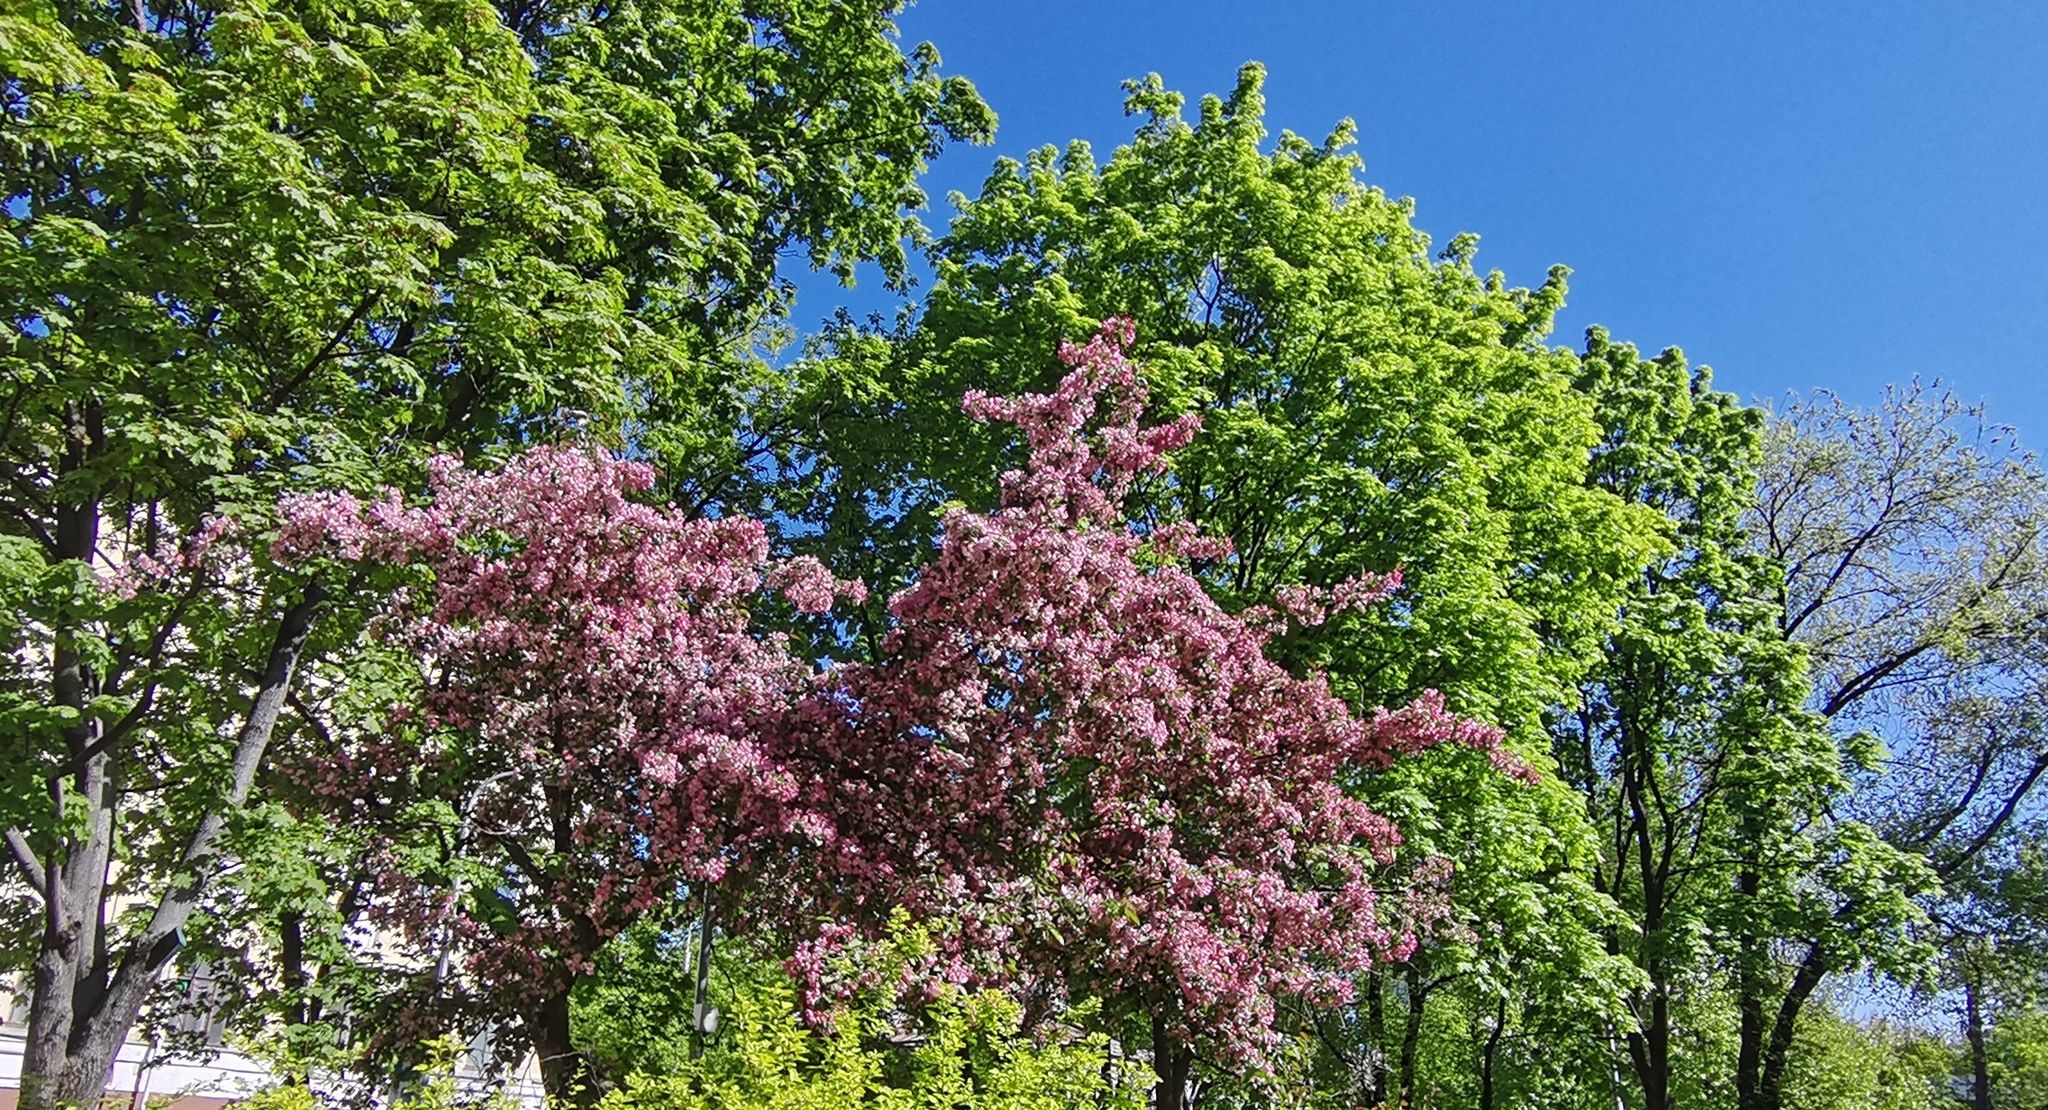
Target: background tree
(1712, 784)
(1990, 924)
(1519, 970)
(1913, 538)
(2017, 1071)
(1839, 1062)
(253, 247)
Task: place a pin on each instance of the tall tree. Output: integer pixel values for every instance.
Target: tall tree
(1365, 405)
(1714, 786)
(255, 246)
(1915, 541)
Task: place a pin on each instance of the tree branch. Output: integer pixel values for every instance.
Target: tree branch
(285, 388)
(25, 860)
(146, 955)
(1867, 680)
(1984, 838)
(1811, 971)
(1938, 825)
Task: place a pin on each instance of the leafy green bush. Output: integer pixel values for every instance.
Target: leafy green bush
(964, 1049)
(436, 1088)
(1840, 1064)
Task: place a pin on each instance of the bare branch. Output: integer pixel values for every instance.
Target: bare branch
(1998, 822)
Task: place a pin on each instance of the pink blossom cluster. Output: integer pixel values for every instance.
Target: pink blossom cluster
(595, 702)
(1068, 479)
(1064, 750)
(152, 567)
(1070, 750)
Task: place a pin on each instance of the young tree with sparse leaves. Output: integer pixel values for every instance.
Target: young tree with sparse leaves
(1914, 539)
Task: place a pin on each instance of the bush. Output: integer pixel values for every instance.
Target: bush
(964, 1050)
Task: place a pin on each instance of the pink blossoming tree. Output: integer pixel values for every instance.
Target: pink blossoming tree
(1065, 750)
(1068, 749)
(594, 721)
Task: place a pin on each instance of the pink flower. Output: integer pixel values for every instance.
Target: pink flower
(592, 688)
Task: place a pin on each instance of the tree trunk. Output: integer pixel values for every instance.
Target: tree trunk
(1778, 1050)
(564, 1072)
(1173, 1061)
(1750, 984)
(1490, 1054)
(1411, 1033)
(1980, 1056)
(65, 1061)
(1749, 1052)
(1649, 1045)
(703, 992)
(77, 1018)
(1376, 1037)
(1649, 1050)
(291, 933)
(77, 1078)
(85, 999)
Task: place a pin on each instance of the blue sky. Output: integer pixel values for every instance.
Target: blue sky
(1799, 194)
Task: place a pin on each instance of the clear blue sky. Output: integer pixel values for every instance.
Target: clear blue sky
(1799, 194)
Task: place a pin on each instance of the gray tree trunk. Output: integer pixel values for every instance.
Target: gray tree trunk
(87, 998)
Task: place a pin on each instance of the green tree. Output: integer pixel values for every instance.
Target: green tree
(1838, 1064)
(1713, 785)
(1519, 969)
(2017, 1065)
(1914, 537)
(1365, 407)
(1991, 924)
(256, 245)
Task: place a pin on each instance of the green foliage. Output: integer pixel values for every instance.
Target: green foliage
(631, 1014)
(953, 1048)
(437, 1088)
(1528, 926)
(970, 1053)
(253, 246)
(2018, 1051)
(1364, 407)
(1838, 1064)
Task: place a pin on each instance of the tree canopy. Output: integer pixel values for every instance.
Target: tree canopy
(1212, 638)
(259, 247)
